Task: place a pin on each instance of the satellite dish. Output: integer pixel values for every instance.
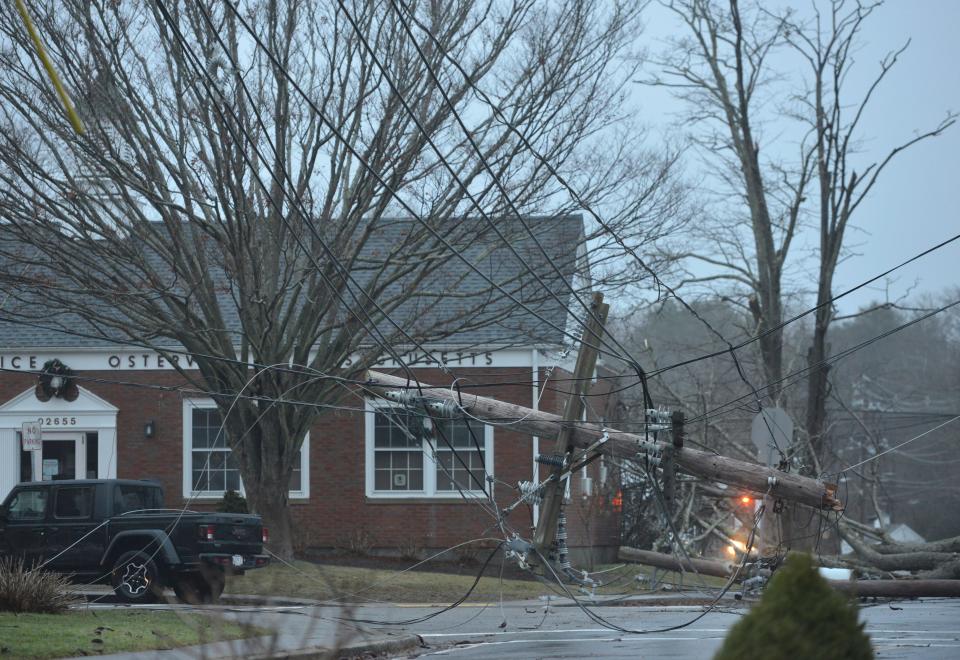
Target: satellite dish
(771, 433)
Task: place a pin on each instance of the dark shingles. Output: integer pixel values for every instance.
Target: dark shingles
(451, 297)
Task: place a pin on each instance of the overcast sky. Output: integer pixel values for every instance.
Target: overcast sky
(915, 204)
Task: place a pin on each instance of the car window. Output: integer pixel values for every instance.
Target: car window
(135, 498)
(28, 505)
(74, 502)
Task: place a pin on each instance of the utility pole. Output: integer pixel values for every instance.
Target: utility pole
(546, 529)
(618, 444)
(669, 464)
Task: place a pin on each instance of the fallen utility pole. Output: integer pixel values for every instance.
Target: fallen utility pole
(905, 588)
(669, 562)
(546, 531)
(712, 467)
(898, 588)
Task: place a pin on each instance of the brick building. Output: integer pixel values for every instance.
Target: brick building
(361, 480)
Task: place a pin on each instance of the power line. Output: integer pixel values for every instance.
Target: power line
(898, 446)
(833, 358)
(380, 179)
(759, 336)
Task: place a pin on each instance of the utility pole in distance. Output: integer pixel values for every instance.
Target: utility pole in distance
(546, 529)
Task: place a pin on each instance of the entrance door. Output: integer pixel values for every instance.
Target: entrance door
(64, 456)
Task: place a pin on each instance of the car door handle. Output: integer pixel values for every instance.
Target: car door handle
(52, 529)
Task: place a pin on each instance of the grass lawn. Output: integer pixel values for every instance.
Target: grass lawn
(361, 584)
(80, 632)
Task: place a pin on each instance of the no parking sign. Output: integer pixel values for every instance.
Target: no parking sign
(31, 437)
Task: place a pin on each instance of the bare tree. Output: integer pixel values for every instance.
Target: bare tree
(724, 70)
(779, 159)
(827, 44)
(236, 191)
(720, 69)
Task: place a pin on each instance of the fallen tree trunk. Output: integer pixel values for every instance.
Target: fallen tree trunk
(705, 465)
(948, 571)
(922, 560)
(863, 588)
(943, 545)
(660, 560)
(898, 588)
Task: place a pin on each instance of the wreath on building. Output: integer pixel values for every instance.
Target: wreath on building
(56, 380)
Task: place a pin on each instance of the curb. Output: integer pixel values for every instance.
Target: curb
(375, 647)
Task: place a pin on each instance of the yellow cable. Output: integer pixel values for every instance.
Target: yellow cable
(48, 65)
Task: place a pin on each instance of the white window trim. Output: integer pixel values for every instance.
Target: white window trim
(429, 491)
(187, 464)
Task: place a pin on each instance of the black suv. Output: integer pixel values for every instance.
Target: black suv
(117, 530)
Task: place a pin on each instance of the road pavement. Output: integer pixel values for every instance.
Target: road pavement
(928, 629)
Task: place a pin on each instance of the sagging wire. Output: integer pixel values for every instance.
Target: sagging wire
(195, 492)
(709, 608)
(446, 608)
(382, 581)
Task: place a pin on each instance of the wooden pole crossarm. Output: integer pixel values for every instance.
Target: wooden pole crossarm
(711, 467)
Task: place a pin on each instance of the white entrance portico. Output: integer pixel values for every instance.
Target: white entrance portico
(79, 439)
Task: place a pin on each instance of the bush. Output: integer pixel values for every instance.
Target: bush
(233, 502)
(409, 548)
(799, 618)
(25, 590)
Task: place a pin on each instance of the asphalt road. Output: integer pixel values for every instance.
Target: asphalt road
(929, 629)
(926, 630)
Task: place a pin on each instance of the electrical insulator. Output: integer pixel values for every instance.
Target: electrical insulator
(530, 492)
(552, 459)
(586, 486)
(445, 408)
(404, 397)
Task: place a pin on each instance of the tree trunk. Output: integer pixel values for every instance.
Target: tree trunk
(817, 385)
(944, 545)
(940, 564)
(271, 504)
(265, 450)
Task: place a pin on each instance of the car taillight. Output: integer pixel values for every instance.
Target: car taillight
(266, 535)
(207, 532)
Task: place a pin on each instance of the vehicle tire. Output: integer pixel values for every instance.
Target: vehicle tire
(136, 578)
(199, 589)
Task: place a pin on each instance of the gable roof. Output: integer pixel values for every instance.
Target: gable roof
(447, 295)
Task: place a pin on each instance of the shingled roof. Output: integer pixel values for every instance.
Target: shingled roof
(502, 322)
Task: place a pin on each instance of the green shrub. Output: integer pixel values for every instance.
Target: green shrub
(25, 590)
(799, 617)
(233, 502)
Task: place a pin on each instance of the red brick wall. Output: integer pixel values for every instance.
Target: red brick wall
(337, 506)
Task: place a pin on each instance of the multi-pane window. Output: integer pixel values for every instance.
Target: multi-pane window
(398, 450)
(460, 464)
(215, 468)
(408, 456)
(210, 468)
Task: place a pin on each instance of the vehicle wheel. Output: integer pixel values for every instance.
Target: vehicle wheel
(136, 578)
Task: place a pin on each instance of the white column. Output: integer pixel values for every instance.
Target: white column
(107, 453)
(9, 461)
(535, 404)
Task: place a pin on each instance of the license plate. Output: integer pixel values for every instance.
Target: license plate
(237, 560)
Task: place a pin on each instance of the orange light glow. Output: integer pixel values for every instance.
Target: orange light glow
(618, 501)
(731, 551)
(745, 500)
